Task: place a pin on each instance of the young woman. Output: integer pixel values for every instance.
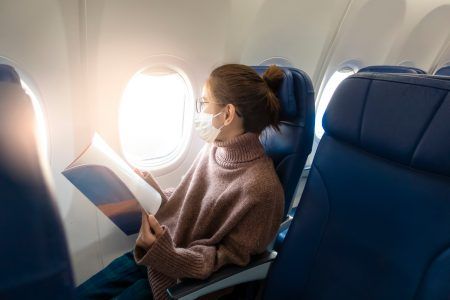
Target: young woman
(227, 207)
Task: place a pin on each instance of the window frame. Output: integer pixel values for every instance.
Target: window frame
(278, 61)
(353, 66)
(39, 106)
(175, 158)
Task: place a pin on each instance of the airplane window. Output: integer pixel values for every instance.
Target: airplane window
(279, 61)
(327, 93)
(30, 90)
(41, 130)
(153, 123)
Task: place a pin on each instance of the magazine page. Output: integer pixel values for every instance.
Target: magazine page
(112, 185)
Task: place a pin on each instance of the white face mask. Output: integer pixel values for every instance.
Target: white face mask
(204, 127)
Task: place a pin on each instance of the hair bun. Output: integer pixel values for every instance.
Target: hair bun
(273, 77)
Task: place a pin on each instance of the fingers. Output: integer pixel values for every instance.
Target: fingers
(143, 174)
(143, 218)
(141, 243)
(149, 232)
(145, 226)
(154, 224)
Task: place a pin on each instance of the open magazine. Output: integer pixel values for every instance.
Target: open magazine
(112, 185)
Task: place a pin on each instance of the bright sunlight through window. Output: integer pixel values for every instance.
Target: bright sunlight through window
(153, 113)
(327, 93)
(40, 126)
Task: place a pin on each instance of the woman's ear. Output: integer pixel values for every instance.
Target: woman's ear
(230, 113)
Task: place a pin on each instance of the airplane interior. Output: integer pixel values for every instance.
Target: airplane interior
(362, 152)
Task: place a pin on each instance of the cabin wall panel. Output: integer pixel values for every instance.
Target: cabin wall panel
(121, 38)
(300, 31)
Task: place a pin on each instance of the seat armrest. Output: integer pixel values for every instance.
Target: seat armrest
(283, 226)
(225, 277)
(286, 223)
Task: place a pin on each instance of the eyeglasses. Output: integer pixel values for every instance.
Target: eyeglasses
(201, 101)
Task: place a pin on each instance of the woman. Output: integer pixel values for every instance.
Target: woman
(227, 207)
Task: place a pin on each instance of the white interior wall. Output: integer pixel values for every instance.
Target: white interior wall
(297, 30)
(80, 55)
(122, 39)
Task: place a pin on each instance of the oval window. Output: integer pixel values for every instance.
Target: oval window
(326, 95)
(278, 60)
(41, 129)
(154, 117)
(31, 90)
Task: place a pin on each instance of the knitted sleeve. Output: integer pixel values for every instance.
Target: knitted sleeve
(168, 192)
(250, 236)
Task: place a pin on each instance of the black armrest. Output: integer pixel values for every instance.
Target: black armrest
(225, 277)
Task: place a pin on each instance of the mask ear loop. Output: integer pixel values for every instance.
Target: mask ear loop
(217, 115)
(221, 112)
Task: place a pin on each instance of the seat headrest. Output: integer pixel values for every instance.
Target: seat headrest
(287, 94)
(444, 71)
(391, 69)
(290, 147)
(400, 118)
(8, 74)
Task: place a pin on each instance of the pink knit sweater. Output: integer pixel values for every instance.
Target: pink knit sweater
(227, 207)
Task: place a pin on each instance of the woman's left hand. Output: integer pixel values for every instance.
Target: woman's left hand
(150, 231)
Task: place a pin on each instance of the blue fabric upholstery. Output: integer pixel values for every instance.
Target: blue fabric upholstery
(444, 71)
(374, 218)
(290, 148)
(34, 261)
(391, 69)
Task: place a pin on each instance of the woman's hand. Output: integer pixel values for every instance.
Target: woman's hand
(150, 231)
(143, 174)
(148, 178)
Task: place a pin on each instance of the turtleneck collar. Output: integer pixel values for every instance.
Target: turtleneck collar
(240, 149)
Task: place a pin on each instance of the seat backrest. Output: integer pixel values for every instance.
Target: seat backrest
(374, 218)
(290, 147)
(8, 74)
(391, 69)
(444, 71)
(34, 261)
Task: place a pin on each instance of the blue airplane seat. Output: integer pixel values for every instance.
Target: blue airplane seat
(290, 147)
(444, 71)
(391, 69)
(34, 261)
(374, 218)
(8, 74)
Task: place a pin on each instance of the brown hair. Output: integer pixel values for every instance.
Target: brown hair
(252, 95)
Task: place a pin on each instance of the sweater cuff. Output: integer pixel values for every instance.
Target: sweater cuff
(162, 247)
(171, 261)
